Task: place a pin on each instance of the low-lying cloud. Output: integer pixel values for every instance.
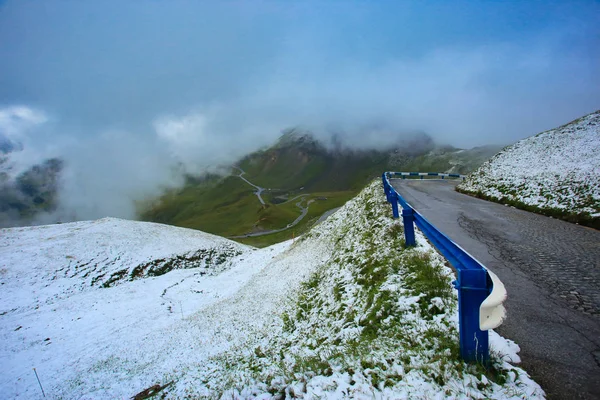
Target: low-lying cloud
(133, 96)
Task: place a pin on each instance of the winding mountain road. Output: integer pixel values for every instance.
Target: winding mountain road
(551, 270)
(303, 212)
(259, 190)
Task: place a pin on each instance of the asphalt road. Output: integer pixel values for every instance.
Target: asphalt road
(259, 190)
(303, 212)
(551, 270)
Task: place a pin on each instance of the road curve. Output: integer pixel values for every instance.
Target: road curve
(303, 212)
(259, 190)
(551, 270)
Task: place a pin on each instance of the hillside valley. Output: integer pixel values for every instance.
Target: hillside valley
(296, 173)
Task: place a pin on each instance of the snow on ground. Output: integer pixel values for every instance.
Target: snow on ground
(555, 170)
(58, 260)
(342, 312)
(56, 316)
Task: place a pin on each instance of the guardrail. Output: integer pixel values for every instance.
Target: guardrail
(480, 293)
(422, 174)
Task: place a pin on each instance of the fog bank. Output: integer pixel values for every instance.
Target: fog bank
(133, 95)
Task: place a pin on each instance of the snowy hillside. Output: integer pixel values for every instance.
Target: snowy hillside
(75, 257)
(344, 311)
(556, 172)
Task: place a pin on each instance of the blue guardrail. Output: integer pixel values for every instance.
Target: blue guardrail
(473, 282)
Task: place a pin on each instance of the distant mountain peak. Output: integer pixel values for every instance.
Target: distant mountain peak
(296, 136)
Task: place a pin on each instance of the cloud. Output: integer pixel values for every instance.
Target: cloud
(194, 140)
(17, 120)
(464, 97)
(106, 175)
(132, 95)
(19, 126)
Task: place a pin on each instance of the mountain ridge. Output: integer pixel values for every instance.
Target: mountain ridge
(26, 193)
(298, 164)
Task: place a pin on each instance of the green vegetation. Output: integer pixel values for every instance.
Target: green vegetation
(228, 207)
(321, 203)
(221, 206)
(296, 165)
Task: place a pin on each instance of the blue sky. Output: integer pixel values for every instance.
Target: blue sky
(204, 82)
(122, 64)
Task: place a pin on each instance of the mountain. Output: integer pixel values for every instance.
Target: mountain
(325, 174)
(123, 309)
(300, 160)
(556, 172)
(25, 195)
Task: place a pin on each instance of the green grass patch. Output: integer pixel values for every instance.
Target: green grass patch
(229, 207)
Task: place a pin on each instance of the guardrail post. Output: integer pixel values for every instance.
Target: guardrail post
(386, 188)
(408, 217)
(394, 201)
(472, 291)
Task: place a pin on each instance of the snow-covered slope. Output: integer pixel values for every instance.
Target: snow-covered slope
(556, 172)
(59, 260)
(343, 312)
